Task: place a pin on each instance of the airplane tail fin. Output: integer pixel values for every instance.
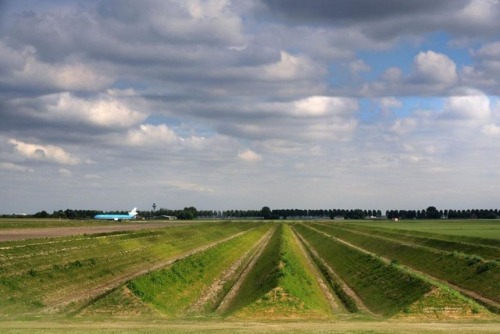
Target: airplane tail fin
(133, 212)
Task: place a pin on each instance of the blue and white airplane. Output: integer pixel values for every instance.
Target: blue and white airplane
(117, 217)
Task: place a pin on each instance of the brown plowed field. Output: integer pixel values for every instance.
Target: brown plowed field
(54, 232)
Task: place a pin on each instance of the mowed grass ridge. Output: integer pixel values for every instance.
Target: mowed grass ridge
(488, 249)
(384, 289)
(35, 275)
(470, 272)
(281, 285)
(172, 290)
(97, 276)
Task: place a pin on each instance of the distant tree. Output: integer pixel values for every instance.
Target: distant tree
(266, 212)
(187, 213)
(432, 213)
(42, 214)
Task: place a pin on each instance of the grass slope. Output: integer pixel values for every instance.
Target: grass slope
(39, 274)
(173, 290)
(470, 272)
(281, 284)
(467, 245)
(469, 230)
(384, 289)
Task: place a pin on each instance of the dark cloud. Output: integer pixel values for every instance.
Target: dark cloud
(390, 19)
(340, 11)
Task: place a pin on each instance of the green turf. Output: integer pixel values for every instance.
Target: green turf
(485, 229)
(173, 290)
(39, 274)
(468, 271)
(384, 288)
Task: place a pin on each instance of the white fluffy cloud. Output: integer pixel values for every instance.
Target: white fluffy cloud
(103, 110)
(316, 106)
(472, 107)
(434, 68)
(50, 153)
(289, 67)
(152, 135)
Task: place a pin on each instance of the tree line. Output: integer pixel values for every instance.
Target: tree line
(268, 213)
(433, 213)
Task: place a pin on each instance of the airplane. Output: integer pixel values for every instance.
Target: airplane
(117, 217)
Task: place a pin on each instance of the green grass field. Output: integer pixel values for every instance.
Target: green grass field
(275, 272)
(486, 229)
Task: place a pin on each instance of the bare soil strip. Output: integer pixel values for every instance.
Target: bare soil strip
(234, 290)
(95, 292)
(54, 232)
(350, 292)
(253, 327)
(332, 300)
(214, 290)
(491, 304)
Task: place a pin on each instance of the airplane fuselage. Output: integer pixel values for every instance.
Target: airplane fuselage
(117, 216)
(113, 217)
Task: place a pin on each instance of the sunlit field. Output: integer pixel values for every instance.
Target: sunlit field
(252, 276)
(489, 229)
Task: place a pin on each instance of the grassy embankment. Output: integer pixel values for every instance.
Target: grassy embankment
(37, 275)
(488, 249)
(465, 270)
(384, 289)
(475, 230)
(173, 290)
(281, 285)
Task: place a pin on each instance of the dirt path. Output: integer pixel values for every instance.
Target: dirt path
(234, 290)
(53, 232)
(99, 290)
(248, 327)
(491, 304)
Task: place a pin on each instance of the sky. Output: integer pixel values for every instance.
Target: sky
(222, 104)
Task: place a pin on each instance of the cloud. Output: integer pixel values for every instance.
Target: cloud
(358, 65)
(355, 10)
(50, 153)
(188, 186)
(24, 69)
(389, 103)
(104, 110)
(9, 166)
(249, 156)
(433, 68)
(315, 106)
(432, 73)
(484, 73)
(193, 92)
(404, 126)
(388, 20)
(491, 130)
(308, 119)
(473, 107)
(288, 68)
(152, 135)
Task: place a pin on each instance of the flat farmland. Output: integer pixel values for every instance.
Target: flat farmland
(249, 276)
(486, 229)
